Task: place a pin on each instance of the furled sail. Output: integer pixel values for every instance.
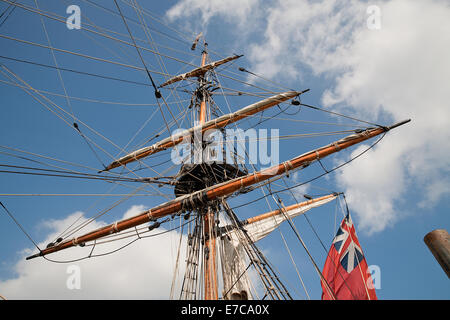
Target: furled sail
(199, 71)
(235, 278)
(216, 123)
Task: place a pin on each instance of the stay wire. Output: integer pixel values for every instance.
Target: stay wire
(127, 104)
(134, 20)
(66, 121)
(153, 44)
(341, 115)
(75, 125)
(80, 175)
(19, 225)
(187, 39)
(242, 69)
(9, 14)
(76, 71)
(63, 170)
(69, 104)
(118, 249)
(306, 216)
(35, 44)
(157, 93)
(7, 8)
(283, 210)
(63, 20)
(323, 245)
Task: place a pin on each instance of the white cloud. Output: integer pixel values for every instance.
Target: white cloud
(142, 270)
(307, 34)
(400, 71)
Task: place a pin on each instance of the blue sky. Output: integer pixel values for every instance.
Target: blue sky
(397, 192)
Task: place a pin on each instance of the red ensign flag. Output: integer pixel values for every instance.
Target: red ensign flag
(346, 272)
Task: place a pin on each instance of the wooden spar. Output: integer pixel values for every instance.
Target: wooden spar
(198, 72)
(287, 209)
(216, 123)
(201, 197)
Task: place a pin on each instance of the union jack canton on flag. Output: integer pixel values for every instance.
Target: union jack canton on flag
(346, 274)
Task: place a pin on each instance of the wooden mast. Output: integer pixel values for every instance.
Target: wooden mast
(202, 113)
(209, 218)
(209, 255)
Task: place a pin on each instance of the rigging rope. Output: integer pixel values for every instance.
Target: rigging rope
(9, 14)
(341, 115)
(67, 122)
(76, 71)
(128, 104)
(75, 125)
(55, 62)
(317, 177)
(157, 93)
(63, 20)
(294, 229)
(19, 225)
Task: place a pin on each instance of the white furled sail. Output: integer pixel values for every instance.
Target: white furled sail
(216, 123)
(234, 265)
(199, 71)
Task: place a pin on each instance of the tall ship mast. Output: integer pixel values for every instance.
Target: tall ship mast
(223, 259)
